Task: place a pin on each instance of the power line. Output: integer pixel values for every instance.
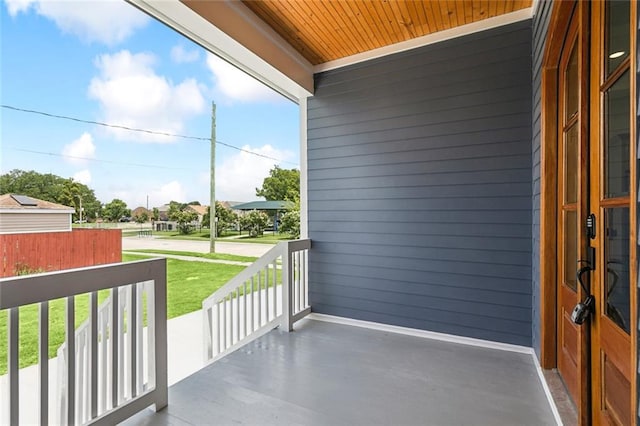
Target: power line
(133, 129)
(97, 160)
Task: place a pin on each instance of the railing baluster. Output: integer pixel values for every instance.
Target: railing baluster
(296, 281)
(223, 344)
(13, 364)
(151, 335)
(70, 343)
(244, 299)
(237, 316)
(253, 306)
(93, 352)
(43, 361)
(132, 329)
(102, 359)
(139, 339)
(305, 289)
(259, 299)
(114, 339)
(275, 288)
(266, 292)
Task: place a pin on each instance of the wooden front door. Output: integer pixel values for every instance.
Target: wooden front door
(572, 148)
(612, 170)
(595, 175)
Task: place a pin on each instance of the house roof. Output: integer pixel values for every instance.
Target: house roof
(323, 31)
(21, 203)
(265, 205)
(201, 210)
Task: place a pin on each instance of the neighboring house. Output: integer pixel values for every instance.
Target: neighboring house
(163, 212)
(139, 211)
(36, 236)
(22, 214)
(199, 210)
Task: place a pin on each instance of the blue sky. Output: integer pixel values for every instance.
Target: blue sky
(111, 63)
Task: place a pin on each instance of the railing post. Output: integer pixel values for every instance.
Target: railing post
(287, 311)
(160, 326)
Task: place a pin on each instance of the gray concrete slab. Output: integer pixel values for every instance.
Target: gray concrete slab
(240, 249)
(331, 374)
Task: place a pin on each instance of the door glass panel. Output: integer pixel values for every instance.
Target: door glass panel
(616, 33)
(572, 84)
(617, 177)
(570, 248)
(571, 164)
(616, 288)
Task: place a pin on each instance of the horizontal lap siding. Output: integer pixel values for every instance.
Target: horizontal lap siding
(419, 177)
(540, 25)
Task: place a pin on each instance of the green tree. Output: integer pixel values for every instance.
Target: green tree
(141, 218)
(184, 220)
(52, 188)
(281, 184)
(114, 210)
(155, 214)
(290, 222)
(255, 221)
(175, 208)
(226, 218)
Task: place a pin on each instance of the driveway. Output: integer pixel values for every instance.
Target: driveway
(240, 249)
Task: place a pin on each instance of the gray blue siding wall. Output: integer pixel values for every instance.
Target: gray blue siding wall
(420, 188)
(540, 25)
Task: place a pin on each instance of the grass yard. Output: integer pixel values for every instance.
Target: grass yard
(215, 256)
(188, 284)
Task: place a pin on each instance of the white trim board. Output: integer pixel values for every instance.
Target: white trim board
(422, 333)
(447, 338)
(485, 24)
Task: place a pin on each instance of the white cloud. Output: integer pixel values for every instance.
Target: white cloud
(106, 21)
(237, 85)
(83, 176)
(239, 175)
(80, 150)
(181, 55)
(135, 193)
(131, 94)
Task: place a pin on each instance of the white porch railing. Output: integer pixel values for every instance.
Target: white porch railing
(251, 304)
(112, 367)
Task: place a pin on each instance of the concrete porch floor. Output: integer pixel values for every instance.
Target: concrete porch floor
(333, 374)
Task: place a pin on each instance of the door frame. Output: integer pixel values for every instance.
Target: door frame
(559, 21)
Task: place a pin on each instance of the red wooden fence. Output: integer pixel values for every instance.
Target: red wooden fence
(53, 251)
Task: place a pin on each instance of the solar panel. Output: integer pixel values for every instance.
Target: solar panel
(23, 200)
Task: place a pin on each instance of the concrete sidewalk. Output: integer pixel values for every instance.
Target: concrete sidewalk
(239, 249)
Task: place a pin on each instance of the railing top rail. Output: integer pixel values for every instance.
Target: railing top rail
(297, 245)
(28, 289)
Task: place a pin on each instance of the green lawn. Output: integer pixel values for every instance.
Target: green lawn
(215, 256)
(188, 284)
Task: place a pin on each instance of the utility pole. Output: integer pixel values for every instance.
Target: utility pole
(212, 204)
(80, 210)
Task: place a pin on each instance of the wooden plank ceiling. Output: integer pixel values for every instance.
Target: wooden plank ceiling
(324, 30)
